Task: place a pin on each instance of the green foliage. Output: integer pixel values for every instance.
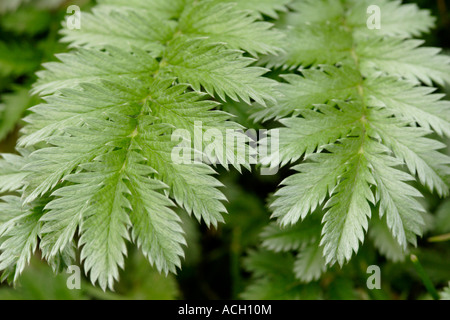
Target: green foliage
(38, 282)
(12, 5)
(12, 109)
(23, 47)
(445, 294)
(274, 279)
(356, 112)
(12, 66)
(101, 140)
(93, 179)
(443, 218)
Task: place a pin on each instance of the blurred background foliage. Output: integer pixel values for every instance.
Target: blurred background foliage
(229, 262)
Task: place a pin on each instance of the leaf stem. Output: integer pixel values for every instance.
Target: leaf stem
(424, 277)
(441, 238)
